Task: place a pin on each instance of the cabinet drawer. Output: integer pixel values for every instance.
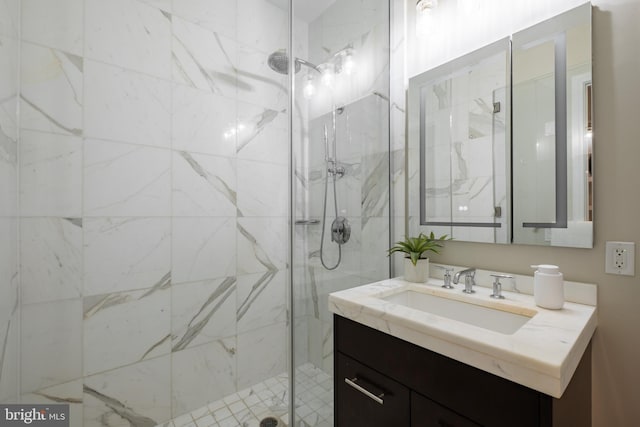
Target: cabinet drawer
(427, 413)
(462, 388)
(366, 398)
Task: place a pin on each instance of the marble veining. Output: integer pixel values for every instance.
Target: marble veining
(202, 58)
(542, 354)
(375, 188)
(255, 125)
(260, 254)
(216, 182)
(97, 303)
(49, 77)
(258, 287)
(51, 251)
(128, 327)
(205, 313)
(314, 289)
(120, 408)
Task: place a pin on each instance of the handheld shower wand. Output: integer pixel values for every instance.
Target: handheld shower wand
(340, 228)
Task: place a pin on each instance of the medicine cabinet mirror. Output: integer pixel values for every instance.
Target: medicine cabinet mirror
(500, 140)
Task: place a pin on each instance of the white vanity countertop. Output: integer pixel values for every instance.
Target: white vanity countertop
(542, 355)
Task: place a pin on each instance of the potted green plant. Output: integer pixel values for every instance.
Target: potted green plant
(416, 264)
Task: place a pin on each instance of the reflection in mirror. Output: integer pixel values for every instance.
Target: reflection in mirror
(552, 143)
(463, 108)
(503, 155)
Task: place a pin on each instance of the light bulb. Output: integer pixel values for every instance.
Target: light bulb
(348, 64)
(309, 89)
(328, 74)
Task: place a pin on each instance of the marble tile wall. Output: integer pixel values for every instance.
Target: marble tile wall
(153, 198)
(362, 149)
(9, 291)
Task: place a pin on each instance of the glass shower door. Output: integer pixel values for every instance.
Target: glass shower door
(340, 138)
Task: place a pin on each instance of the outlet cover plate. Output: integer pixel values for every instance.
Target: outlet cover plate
(620, 258)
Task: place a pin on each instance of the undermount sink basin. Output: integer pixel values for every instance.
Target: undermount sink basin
(490, 318)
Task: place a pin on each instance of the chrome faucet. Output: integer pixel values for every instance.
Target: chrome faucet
(446, 276)
(469, 279)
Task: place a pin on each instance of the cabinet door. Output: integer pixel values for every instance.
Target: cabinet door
(427, 413)
(366, 398)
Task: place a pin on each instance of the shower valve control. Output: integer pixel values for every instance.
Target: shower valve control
(340, 230)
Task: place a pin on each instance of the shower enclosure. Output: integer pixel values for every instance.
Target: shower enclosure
(161, 203)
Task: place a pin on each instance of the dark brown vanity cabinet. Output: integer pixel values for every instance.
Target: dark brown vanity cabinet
(381, 381)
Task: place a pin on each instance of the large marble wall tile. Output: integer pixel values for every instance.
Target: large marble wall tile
(9, 17)
(262, 189)
(262, 25)
(9, 380)
(127, 327)
(374, 194)
(203, 248)
(203, 59)
(126, 106)
(9, 311)
(58, 24)
(129, 34)
(261, 300)
(8, 149)
(50, 174)
(257, 83)
(373, 253)
(262, 354)
(203, 122)
(219, 16)
(126, 180)
(301, 340)
(68, 393)
(9, 85)
(51, 90)
(137, 395)
(124, 254)
(203, 312)
(203, 185)
(53, 329)
(261, 243)
(262, 134)
(51, 259)
(203, 374)
(160, 4)
(321, 344)
(8, 265)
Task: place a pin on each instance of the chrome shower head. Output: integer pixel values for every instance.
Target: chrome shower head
(279, 62)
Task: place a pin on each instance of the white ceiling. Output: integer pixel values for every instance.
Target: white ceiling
(306, 10)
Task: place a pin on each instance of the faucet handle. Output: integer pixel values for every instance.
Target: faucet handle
(497, 286)
(446, 276)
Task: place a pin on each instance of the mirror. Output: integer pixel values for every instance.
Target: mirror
(499, 141)
(552, 142)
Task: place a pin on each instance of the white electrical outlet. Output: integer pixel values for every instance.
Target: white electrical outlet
(620, 258)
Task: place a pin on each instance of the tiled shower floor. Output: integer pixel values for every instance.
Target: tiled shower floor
(314, 403)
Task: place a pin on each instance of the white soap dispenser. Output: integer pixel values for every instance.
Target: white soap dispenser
(548, 286)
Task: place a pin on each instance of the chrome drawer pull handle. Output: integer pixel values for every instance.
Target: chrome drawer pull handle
(364, 391)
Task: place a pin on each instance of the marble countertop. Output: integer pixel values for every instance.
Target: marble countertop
(542, 355)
